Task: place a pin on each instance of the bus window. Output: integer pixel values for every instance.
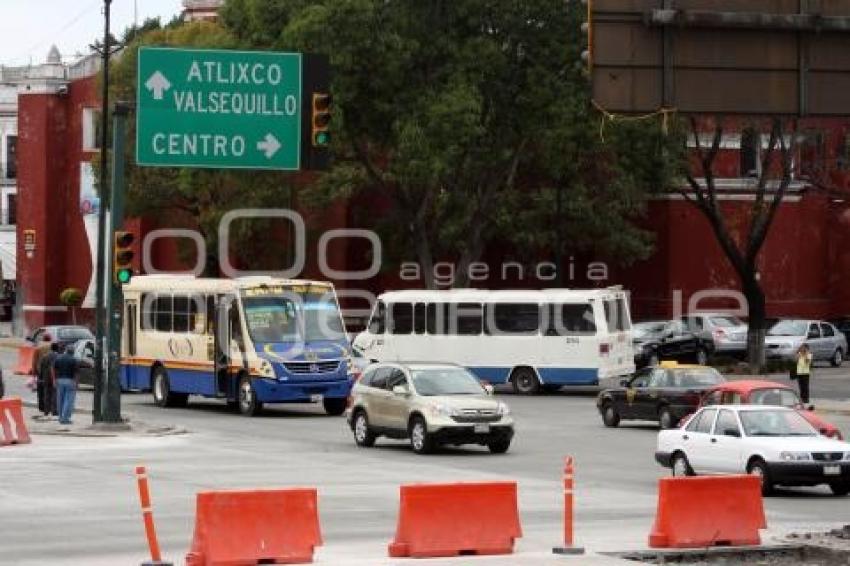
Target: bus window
(163, 312)
(322, 319)
(269, 319)
(419, 318)
(616, 315)
(572, 320)
(435, 318)
(181, 313)
(401, 318)
(520, 318)
(377, 324)
(468, 319)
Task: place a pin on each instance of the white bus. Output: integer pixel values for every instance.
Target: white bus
(249, 341)
(532, 339)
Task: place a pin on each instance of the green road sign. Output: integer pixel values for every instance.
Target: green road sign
(215, 108)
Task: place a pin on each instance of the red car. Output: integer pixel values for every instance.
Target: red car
(756, 392)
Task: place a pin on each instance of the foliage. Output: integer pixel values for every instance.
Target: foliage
(465, 116)
(71, 297)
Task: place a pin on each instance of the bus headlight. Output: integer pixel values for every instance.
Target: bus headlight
(266, 369)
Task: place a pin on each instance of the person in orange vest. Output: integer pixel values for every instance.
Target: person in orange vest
(804, 371)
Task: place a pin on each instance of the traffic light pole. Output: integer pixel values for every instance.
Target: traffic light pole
(111, 403)
(100, 323)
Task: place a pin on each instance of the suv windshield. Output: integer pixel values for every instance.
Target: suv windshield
(775, 423)
(789, 328)
(445, 381)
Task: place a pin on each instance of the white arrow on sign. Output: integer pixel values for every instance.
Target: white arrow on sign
(268, 145)
(157, 84)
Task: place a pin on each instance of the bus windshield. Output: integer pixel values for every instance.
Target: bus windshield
(278, 318)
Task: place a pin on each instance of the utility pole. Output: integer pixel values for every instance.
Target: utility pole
(100, 291)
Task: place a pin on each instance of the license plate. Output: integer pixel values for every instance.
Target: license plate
(481, 428)
(832, 470)
(316, 398)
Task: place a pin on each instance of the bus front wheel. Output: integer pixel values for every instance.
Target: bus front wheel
(334, 407)
(525, 381)
(248, 403)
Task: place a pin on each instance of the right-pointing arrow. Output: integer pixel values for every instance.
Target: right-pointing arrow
(157, 84)
(268, 145)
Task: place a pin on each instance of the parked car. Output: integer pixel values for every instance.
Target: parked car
(826, 342)
(759, 392)
(668, 340)
(84, 353)
(843, 326)
(431, 404)
(774, 443)
(727, 333)
(63, 334)
(663, 394)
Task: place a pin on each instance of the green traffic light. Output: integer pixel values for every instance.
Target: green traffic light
(123, 276)
(323, 138)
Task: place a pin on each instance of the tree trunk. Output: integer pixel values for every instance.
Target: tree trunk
(756, 331)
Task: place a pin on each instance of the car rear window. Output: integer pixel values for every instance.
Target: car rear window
(697, 377)
(774, 396)
(66, 334)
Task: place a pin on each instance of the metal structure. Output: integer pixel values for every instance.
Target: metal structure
(769, 57)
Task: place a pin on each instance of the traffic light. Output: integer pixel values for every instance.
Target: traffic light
(122, 258)
(587, 33)
(320, 136)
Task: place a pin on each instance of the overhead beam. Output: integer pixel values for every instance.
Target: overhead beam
(747, 20)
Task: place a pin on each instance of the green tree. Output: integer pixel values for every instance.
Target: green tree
(465, 116)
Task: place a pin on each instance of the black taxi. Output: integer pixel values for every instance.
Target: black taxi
(664, 393)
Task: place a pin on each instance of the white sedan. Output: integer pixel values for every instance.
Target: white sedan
(775, 443)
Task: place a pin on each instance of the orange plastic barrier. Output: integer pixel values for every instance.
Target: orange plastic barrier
(25, 359)
(708, 511)
(12, 425)
(250, 527)
(459, 518)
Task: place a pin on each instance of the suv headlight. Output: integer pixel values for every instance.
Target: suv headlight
(795, 456)
(443, 411)
(503, 410)
(266, 369)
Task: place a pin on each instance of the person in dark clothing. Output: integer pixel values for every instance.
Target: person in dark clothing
(65, 370)
(47, 382)
(43, 349)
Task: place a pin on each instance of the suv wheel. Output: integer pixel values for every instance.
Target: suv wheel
(248, 404)
(363, 435)
(610, 416)
(420, 440)
(499, 446)
(837, 358)
(525, 381)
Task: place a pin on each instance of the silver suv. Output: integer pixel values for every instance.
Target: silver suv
(431, 404)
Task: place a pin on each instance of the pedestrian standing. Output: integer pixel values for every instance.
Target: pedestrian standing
(804, 371)
(47, 381)
(41, 351)
(65, 369)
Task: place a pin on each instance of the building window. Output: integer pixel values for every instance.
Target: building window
(11, 214)
(11, 157)
(91, 129)
(750, 150)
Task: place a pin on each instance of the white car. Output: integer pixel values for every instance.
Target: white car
(775, 443)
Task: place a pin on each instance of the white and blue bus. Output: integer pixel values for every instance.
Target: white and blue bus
(532, 339)
(248, 341)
